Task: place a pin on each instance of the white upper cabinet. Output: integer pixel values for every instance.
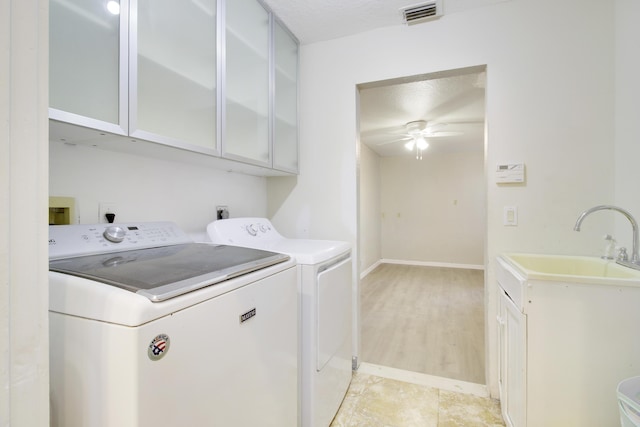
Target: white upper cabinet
(260, 84)
(88, 64)
(285, 133)
(216, 78)
(173, 76)
(246, 129)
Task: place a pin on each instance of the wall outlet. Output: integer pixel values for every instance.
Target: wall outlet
(222, 212)
(105, 208)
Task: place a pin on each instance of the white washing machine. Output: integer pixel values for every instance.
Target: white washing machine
(324, 271)
(148, 328)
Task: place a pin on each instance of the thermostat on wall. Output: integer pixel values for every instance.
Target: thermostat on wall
(512, 173)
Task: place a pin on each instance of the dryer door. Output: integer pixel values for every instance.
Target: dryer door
(334, 313)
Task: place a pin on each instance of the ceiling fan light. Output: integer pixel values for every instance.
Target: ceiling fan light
(409, 145)
(422, 143)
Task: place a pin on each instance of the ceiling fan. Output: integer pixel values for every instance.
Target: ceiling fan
(416, 133)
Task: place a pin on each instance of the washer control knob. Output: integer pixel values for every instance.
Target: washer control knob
(252, 230)
(114, 234)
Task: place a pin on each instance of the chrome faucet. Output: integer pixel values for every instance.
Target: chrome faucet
(635, 258)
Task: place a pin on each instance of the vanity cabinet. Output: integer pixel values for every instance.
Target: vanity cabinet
(512, 359)
(565, 342)
(214, 78)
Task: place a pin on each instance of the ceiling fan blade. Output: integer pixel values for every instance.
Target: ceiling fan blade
(407, 138)
(379, 139)
(443, 133)
(467, 122)
(387, 132)
(435, 127)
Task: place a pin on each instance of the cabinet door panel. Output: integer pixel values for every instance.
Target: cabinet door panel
(174, 76)
(513, 363)
(285, 137)
(88, 64)
(246, 131)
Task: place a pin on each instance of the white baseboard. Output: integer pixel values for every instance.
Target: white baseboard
(421, 263)
(370, 269)
(432, 264)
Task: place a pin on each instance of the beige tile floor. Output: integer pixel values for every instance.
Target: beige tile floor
(374, 401)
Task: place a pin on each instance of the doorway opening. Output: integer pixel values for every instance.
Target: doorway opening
(422, 224)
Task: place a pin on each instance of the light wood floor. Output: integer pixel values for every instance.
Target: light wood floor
(424, 319)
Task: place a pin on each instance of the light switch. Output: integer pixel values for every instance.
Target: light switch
(510, 215)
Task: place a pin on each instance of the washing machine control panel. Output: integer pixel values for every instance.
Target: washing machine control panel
(115, 234)
(67, 241)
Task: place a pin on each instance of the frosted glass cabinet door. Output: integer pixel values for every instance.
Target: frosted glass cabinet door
(173, 73)
(285, 136)
(88, 64)
(246, 132)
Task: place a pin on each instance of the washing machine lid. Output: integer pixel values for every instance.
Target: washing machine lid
(165, 272)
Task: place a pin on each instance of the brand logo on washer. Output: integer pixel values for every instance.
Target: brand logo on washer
(248, 315)
(158, 347)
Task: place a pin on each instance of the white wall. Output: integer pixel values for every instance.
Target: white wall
(24, 296)
(150, 189)
(627, 123)
(550, 98)
(433, 210)
(369, 209)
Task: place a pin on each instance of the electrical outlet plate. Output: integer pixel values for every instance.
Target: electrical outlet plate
(222, 212)
(105, 208)
(510, 215)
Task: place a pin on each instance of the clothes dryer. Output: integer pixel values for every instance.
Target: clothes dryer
(325, 278)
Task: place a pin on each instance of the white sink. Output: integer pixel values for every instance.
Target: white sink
(567, 265)
(568, 334)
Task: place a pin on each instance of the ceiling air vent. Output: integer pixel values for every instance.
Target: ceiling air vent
(421, 12)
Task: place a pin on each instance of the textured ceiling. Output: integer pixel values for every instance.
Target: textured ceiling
(456, 102)
(455, 98)
(318, 20)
